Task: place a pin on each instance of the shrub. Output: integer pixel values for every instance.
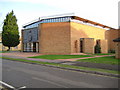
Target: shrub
(97, 48)
(111, 51)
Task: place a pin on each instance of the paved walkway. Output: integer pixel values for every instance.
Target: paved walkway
(21, 54)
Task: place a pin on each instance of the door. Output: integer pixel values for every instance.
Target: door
(81, 45)
(34, 47)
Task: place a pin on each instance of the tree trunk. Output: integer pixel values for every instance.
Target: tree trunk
(8, 49)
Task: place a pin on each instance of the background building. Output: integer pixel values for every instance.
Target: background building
(66, 35)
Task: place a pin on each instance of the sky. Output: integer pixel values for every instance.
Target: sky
(101, 11)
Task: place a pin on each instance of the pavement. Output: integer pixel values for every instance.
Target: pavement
(21, 54)
(19, 74)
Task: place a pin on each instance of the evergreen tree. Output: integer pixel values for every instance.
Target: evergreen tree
(10, 33)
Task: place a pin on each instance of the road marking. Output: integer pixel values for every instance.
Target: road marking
(49, 82)
(7, 85)
(11, 86)
(22, 87)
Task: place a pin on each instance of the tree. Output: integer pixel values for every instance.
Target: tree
(10, 33)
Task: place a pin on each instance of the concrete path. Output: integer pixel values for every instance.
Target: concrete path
(21, 54)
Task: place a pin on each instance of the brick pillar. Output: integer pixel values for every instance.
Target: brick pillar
(88, 45)
(117, 50)
(104, 46)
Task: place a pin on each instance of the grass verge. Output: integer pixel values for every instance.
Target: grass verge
(104, 60)
(66, 66)
(4, 51)
(52, 57)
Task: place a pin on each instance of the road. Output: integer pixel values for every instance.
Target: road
(20, 74)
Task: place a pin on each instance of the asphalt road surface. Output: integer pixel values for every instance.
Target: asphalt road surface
(20, 74)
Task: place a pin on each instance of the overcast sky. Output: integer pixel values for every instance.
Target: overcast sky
(101, 11)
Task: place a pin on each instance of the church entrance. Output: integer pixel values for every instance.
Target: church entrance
(81, 45)
(31, 47)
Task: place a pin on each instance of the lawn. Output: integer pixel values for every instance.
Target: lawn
(104, 60)
(4, 51)
(52, 57)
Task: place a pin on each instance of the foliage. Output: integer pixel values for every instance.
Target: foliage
(10, 33)
(97, 48)
(111, 51)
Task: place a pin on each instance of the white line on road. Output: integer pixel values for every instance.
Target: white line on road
(11, 86)
(21, 87)
(7, 85)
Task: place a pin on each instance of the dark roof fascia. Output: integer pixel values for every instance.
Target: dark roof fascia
(31, 23)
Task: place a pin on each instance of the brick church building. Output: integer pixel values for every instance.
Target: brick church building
(66, 35)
